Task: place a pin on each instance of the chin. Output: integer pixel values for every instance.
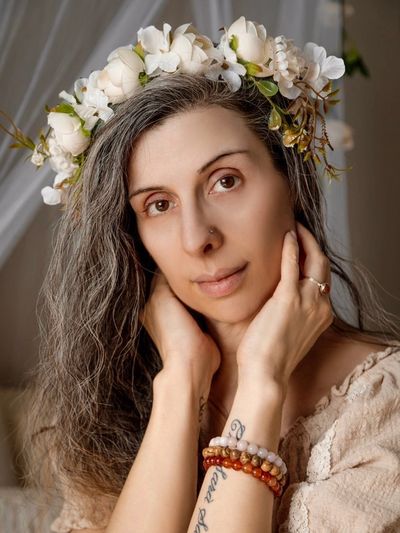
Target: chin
(227, 310)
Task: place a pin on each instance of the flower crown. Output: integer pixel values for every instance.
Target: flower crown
(245, 51)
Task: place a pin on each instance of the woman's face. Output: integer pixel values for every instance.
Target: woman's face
(240, 195)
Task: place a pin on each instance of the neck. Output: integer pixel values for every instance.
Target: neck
(228, 337)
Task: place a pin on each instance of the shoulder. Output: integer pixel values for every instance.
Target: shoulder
(364, 406)
(347, 455)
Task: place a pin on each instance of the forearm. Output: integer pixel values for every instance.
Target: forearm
(232, 500)
(160, 491)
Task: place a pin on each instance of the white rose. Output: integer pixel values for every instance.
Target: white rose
(62, 163)
(253, 45)
(68, 132)
(120, 78)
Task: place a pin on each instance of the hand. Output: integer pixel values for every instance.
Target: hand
(182, 345)
(290, 322)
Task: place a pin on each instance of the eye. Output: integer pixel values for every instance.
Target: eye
(156, 204)
(228, 179)
(226, 182)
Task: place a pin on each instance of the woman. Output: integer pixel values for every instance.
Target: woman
(186, 181)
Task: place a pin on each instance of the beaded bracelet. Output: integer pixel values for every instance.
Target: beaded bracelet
(270, 481)
(251, 448)
(228, 452)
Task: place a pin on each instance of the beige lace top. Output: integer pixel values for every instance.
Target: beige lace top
(343, 460)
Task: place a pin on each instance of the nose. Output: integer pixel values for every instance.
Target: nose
(196, 237)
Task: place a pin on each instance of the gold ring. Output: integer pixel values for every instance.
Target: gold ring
(324, 288)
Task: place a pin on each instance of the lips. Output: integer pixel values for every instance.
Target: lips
(219, 274)
(225, 286)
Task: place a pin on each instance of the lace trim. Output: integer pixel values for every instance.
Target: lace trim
(357, 389)
(319, 463)
(298, 520)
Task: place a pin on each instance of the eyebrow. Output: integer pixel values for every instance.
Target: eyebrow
(199, 171)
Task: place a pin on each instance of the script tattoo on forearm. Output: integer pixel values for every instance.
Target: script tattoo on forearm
(237, 430)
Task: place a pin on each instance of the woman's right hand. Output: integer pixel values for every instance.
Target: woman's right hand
(182, 344)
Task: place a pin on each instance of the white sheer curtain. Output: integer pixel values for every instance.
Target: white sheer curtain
(46, 45)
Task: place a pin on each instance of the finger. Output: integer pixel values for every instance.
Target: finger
(316, 264)
(290, 261)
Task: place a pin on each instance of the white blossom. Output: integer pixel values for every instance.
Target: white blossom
(230, 72)
(320, 68)
(287, 64)
(37, 158)
(68, 132)
(154, 40)
(120, 77)
(252, 45)
(195, 51)
(60, 160)
(60, 178)
(51, 196)
(252, 40)
(90, 103)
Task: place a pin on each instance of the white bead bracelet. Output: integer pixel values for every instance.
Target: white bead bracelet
(252, 448)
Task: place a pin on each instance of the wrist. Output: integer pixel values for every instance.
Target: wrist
(179, 380)
(267, 388)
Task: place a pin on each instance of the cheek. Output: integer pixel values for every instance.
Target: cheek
(163, 254)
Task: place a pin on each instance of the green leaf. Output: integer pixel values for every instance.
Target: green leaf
(17, 145)
(333, 93)
(267, 88)
(275, 120)
(143, 78)
(234, 42)
(139, 50)
(327, 87)
(354, 62)
(64, 107)
(252, 68)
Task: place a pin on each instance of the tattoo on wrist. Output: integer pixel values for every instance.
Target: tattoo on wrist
(219, 473)
(238, 428)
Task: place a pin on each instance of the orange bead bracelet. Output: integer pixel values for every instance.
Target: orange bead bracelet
(249, 464)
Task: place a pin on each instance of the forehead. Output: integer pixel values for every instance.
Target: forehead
(186, 140)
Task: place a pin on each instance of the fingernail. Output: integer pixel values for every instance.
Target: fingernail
(293, 233)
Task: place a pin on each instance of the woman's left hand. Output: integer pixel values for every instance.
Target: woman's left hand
(290, 322)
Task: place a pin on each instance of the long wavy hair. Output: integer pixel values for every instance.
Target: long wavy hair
(92, 388)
